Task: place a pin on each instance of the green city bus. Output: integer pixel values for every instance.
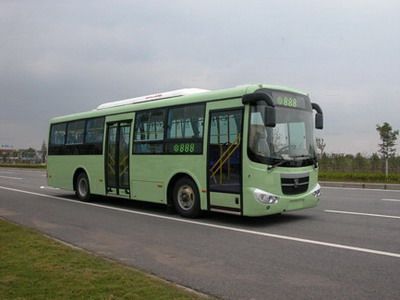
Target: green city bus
(248, 150)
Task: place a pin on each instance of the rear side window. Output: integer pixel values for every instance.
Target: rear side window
(149, 131)
(94, 131)
(186, 122)
(57, 134)
(185, 129)
(75, 132)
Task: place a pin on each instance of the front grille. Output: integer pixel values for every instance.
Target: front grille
(293, 185)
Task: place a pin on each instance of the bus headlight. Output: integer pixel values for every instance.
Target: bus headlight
(316, 192)
(264, 197)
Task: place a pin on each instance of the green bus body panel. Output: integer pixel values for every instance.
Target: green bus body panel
(225, 200)
(61, 169)
(120, 117)
(257, 176)
(151, 174)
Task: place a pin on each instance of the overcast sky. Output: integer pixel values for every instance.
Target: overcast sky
(59, 57)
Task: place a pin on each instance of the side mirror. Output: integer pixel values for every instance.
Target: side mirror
(269, 116)
(319, 121)
(319, 117)
(269, 113)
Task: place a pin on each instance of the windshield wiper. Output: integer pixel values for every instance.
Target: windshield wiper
(293, 158)
(300, 156)
(279, 163)
(314, 159)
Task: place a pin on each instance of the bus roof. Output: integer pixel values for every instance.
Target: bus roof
(170, 98)
(153, 97)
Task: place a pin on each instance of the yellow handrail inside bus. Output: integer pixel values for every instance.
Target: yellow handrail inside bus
(224, 157)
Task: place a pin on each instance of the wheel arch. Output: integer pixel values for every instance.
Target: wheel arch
(78, 171)
(171, 183)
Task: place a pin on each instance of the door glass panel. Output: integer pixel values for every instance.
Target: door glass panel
(111, 155)
(124, 134)
(225, 151)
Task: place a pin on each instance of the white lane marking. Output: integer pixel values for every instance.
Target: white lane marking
(9, 177)
(26, 171)
(48, 188)
(393, 200)
(358, 189)
(7, 172)
(16, 170)
(211, 225)
(360, 214)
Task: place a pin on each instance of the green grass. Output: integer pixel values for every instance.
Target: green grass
(33, 266)
(25, 166)
(359, 177)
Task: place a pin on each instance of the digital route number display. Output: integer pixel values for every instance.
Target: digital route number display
(291, 100)
(184, 148)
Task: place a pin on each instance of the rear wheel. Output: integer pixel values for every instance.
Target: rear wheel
(186, 198)
(82, 187)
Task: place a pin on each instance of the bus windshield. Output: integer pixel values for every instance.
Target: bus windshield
(289, 143)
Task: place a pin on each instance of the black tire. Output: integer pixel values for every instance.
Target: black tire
(186, 198)
(82, 187)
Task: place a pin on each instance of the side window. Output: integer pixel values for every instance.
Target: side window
(94, 131)
(185, 129)
(75, 132)
(57, 134)
(149, 131)
(186, 122)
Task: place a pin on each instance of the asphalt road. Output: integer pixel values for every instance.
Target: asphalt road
(346, 248)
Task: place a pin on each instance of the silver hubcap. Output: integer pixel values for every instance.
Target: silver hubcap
(186, 197)
(82, 187)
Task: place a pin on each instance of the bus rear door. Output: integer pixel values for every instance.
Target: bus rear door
(117, 158)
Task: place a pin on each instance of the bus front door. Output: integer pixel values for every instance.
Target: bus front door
(117, 158)
(225, 161)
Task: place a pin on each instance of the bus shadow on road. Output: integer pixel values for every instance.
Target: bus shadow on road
(214, 217)
(257, 222)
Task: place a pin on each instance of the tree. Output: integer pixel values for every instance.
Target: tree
(321, 145)
(375, 162)
(4, 156)
(360, 163)
(43, 151)
(386, 148)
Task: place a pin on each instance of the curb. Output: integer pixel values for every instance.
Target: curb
(361, 185)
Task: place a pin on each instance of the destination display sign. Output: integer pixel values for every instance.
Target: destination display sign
(290, 100)
(184, 148)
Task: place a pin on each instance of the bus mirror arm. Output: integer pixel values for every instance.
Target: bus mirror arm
(319, 117)
(269, 113)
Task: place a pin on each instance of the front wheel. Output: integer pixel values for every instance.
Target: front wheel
(82, 187)
(186, 198)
